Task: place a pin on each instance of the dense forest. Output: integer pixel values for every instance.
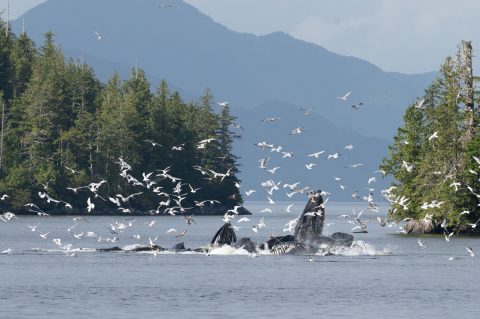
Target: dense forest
(63, 131)
(435, 156)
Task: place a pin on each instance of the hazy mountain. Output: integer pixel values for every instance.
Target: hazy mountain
(189, 49)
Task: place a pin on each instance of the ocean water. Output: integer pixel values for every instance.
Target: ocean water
(387, 274)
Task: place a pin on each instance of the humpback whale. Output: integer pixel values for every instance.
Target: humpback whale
(306, 239)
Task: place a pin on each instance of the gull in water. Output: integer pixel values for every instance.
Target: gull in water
(422, 243)
(344, 97)
(470, 251)
(6, 251)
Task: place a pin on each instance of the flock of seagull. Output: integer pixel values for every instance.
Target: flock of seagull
(171, 201)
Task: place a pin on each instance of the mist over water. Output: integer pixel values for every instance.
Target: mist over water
(384, 274)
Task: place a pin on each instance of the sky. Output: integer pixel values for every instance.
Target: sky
(407, 36)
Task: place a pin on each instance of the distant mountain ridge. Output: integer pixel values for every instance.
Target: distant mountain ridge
(188, 48)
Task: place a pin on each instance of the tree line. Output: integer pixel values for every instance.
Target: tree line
(63, 128)
(435, 155)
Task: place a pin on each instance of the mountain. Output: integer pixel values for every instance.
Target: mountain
(189, 49)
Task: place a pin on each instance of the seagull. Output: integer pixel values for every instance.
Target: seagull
(345, 97)
(455, 184)
(6, 251)
(310, 165)
(447, 236)
(270, 200)
(355, 165)
(422, 243)
(316, 155)
(288, 209)
(434, 135)
(273, 169)
(334, 156)
(306, 112)
(90, 205)
(250, 192)
(270, 119)
(99, 37)
(266, 210)
(298, 130)
(136, 236)
(470, 251)
(33, 228)
(181, 234)
(371, 180)
(349, 147)
(419, 104)
(171, 230)
(4, 196)
(44, 236)
(263, 162)
(243, 219)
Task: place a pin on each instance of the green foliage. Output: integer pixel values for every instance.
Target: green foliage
(432, 155)
(66, 129)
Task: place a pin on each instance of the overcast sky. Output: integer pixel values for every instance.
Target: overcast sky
(407, 36)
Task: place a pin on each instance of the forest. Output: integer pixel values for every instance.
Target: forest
(63, 131)
(435, 156)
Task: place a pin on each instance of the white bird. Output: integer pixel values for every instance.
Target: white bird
(151, 223)
(44, 236)
(345, 97)
(316, 155)
(287, 154)
(266, 210)
(243, 219)
(408, 166)
(289, 207)
(261, 223)
(99, 37)
(273, 170)
(455, 184)
(6, 251)
(250, 192)
(470, 251)
(270, 200)
(136, 236)
(7, 216)
(422, 243)
(310, 165)
(371, 180)
(263, 162)
(90, 205)
(419, 104)
(447, 236)
(355, 165)
(4, 196)
(349, 147)
(270, 119)
(33, 228)
(334, 156)
(434, 135)
(297, 130)
(464, 212)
